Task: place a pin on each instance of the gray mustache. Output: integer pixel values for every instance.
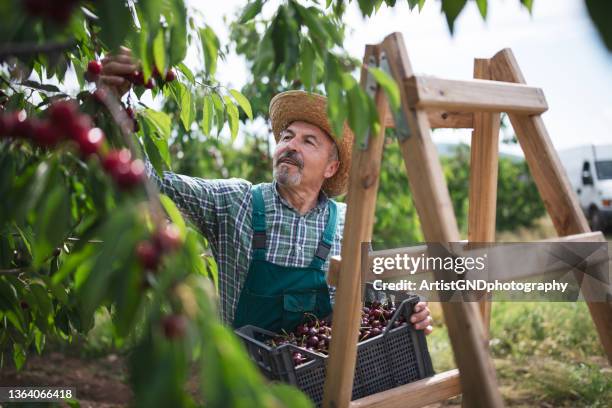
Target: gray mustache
(290, 156)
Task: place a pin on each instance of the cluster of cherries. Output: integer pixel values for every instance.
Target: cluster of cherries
(64, 122)
(149, 252)
(94, 69)
(315, 335)
(58, 11)
(165, 240)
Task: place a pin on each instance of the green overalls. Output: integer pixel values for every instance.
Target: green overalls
(275, 297)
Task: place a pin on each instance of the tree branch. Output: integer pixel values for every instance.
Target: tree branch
(30, 48)
(14, 271)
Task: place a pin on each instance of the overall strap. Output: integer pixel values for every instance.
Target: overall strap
(327, 239)
(259, 224)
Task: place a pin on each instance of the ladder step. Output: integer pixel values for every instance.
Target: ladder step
(441, 119)
(417, 394)
(480, 95)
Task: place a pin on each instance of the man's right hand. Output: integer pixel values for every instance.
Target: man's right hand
(116, 69)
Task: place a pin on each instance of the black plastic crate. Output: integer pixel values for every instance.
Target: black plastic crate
(398, 356)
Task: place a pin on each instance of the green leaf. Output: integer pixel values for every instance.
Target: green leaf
(52, 222)
(115, 19)
(389, 85)
(243, 102)
(307, 65)
(207, 115)
(250, 11)
(210, 47)
(160, 120)
(19, 355)
(178, 32)
(232, 114)
(174, 213)
(42, 87)
(187, 106)
(358, 112)
(186, 71)
(219, 111)
(279, 34)
(452, 9)
(159, 51)
(482, 7)
(154, 153)
(312, 19)
(335, 107)
(529, 4)
(600, 11)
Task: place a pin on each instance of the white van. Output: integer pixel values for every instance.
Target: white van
(589, 169)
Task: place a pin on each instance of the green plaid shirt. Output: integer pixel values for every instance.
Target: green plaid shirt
(222, 211)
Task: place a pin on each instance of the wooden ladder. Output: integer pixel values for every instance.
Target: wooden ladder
(429, 102)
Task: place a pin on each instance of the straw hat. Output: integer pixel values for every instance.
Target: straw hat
(291, 106)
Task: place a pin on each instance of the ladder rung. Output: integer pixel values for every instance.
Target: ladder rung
(474, 95)
(417, 394)
(441, 119)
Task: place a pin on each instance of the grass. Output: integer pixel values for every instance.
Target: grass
(545, 354)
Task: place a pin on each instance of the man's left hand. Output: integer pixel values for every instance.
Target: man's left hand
(421, 318)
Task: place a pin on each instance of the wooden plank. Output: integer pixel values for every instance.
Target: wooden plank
(554, 187)
(483, 180)
(440, 119)
(474, 95)
(435, 210)
(359, 221)
(426, 391)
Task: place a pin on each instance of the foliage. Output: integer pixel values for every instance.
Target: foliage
(71, 240)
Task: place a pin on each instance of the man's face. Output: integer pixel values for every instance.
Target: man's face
(303, 156)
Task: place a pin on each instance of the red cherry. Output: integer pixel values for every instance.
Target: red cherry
(60, 13)
(21, 126)
(94, 67)
(130, 112)
(170, 75)
(312, 341)
(156, 73)
(148, 255)
(63, 112)
(174, 326)
(137, 78)
(45, 134)
(79, 126)
(35, 8)
(130, 176)
(116, 158)
(168, 238)
(24, 305)
(150, 84)
(90, 142)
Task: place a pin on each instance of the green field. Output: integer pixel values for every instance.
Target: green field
(546, 354)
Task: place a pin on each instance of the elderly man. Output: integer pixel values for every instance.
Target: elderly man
(272, 241)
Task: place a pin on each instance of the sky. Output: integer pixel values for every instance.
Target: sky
(556, 47)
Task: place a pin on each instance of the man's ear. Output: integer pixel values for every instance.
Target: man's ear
(331, 168)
